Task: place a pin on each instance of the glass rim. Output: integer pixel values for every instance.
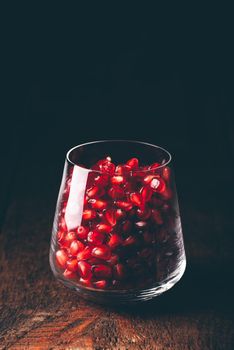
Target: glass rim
(118, 140)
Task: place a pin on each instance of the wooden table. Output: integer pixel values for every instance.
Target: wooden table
(37, 312)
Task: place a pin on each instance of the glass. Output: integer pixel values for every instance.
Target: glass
(117, 234)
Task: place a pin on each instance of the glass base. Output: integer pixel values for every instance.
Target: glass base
(113, 297)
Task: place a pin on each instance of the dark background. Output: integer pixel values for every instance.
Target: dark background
(166, 77)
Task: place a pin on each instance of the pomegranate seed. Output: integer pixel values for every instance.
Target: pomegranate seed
(148, 178)
(84, 269)
(141, 224)
(82, 232)
(102, 271)
(122, 169)
(117, 180)
(115, 241)
(101, 180)
(93, 191)
(144, 214)
(95, 237)
(158, 185)
(126, 226)
(110, 216)
(146, 193)
(119, 271)
(133, 163)
(84, 254)
(61, 257)
(104, 228)
(166, 173)
(120, 214)
(72, 265)
(69, 238)
(116, 192)
(167, 194)
(113, 259)
(75, 247)
(136, 199)
(101, 252)
(107, 167)
(89, 214)
(69, 274)
(86, 198)
(130, 241)
(102, 284)
(157, 216)
(85, 281)
(154, 166)
(124, 205)
(98, 204)
(60, 236)
(63, 225)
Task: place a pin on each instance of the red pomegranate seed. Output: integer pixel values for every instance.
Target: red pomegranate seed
(133, 163)
(84, 254)
(120, 214)
(167, 194)
(119, 271)
(124, 205)
(117, 180)
(110, 216)
(60, 236)
(69, 274)
(144, 214)
(156, 215)
(136, 199)
(82, 232)
(104, 228)
(98, 204)
(72, 265)
(102, 284)
(154, 166)
(102, 271)
(86, 198)
(166, 173)
(115, 241)
(146, 193)
(84, 269)
(106, 166)
(61, 258)
(122, 169)
(69, 238)
(129, 241)
(158, 185)
(89, 214)
(63, 225)
(93, 191)
(101, 252)
(126, 226)
(76, 247)
(102, 180)
(116, 192)
(85, 281)
(148, 178)
(95, 237)
(113, 259)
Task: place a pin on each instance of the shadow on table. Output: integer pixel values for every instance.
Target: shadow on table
(200, 288)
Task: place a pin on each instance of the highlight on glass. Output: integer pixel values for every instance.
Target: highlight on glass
(117, 234)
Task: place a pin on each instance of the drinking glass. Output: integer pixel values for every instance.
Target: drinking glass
(117, 234)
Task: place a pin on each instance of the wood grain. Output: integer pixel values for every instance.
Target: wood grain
(37, 312)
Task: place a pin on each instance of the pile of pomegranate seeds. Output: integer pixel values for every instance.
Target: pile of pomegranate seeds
(127, 216)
